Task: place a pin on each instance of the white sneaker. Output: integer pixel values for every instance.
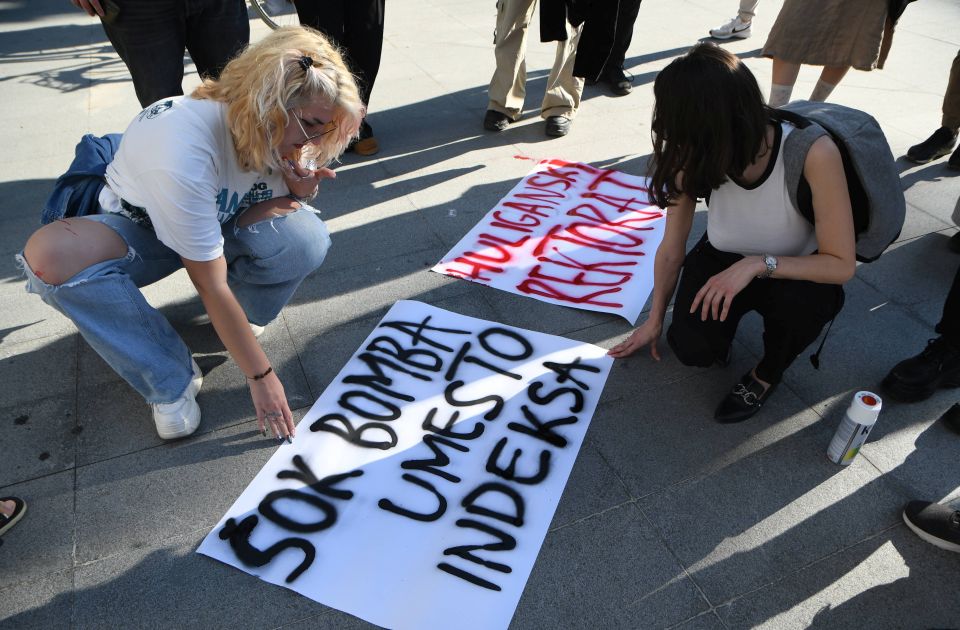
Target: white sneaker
(181, 417)
(734, 28)
(257, 329)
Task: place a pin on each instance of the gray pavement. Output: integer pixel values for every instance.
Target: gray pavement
(668, 520)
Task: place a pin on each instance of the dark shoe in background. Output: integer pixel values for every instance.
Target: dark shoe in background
(495, 121)
(557, 126)
(365, 144)
(951, 418)
(937, 524)
(743, 401)
(954, 161)
(936, 146)
(618, 82)
(916, 378)
(954, 243)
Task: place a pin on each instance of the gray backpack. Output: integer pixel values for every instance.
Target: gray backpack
(872, 178)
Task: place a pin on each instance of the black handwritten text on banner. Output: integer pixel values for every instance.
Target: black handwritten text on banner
(422, 482)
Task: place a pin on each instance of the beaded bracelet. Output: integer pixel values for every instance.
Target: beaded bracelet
(257, 377)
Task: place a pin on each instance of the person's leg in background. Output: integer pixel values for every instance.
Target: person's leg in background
(613, 73)
(508, 85)
(785, 76)
(561, 99)
(938, 365)
(740, 25)
(150, 39)
(357, 27)
(216, 31)
(943, 139)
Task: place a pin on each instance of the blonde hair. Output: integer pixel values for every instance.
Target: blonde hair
(269, 78)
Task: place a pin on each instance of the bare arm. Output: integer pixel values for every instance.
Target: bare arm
(230, 322)
(833, 263)
(666, 270)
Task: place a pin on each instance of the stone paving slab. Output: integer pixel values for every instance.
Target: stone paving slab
(771, 514)
(892, 580)
(624, 577)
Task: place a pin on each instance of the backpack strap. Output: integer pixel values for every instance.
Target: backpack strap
(795, 149)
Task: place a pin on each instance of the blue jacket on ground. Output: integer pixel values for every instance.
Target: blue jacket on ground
(77, 191)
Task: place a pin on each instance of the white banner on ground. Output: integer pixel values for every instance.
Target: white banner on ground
(421, 484)
(569, 234)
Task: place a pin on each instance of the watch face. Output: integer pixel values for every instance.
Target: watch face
(771, 262)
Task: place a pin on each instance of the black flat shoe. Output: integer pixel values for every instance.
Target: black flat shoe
(743, 401)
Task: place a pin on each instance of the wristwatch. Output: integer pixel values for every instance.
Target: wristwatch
(771, 263)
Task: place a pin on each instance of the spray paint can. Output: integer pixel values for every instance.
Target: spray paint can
(856, 426)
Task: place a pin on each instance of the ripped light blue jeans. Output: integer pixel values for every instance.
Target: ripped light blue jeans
(266, 262)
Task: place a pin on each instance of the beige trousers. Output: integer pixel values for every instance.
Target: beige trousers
(508, 85)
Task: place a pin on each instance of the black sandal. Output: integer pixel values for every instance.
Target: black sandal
(6, 522)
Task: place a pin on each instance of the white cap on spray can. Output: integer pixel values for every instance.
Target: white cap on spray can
(864, 408)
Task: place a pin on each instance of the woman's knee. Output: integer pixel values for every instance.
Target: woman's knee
(690, 347)
(60, 250)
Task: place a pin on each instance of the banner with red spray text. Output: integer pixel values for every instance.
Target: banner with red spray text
(569, 234)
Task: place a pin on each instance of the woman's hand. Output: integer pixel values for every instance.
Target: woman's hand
(270, 401)
(716, 295)
(646, 334)
(302, 181)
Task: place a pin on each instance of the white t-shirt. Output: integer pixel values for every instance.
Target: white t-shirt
(760, 218)
(177, 161)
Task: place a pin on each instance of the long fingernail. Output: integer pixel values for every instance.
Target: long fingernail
(264, 431)
(289, 439)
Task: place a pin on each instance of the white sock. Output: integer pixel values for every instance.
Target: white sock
(779, 95)
(822, 90)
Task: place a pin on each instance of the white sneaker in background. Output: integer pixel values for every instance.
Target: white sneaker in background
(257, 329)
(181, 417)
(734, 28)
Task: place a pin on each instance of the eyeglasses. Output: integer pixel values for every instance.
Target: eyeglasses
(327, 128)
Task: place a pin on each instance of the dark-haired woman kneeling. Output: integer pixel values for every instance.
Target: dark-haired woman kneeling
(713, 134)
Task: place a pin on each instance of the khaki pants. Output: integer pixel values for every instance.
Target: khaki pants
(951, 100)
(508, 85)
(748, 9)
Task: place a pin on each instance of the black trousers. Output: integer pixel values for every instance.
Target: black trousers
(150, 37)
(949, 325)
(354, 25)
(606, 36)
(794, 312)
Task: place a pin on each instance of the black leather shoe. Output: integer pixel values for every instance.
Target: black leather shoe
(916, 378)
(743, 401)
(951, 418)
(936, 146)
(557, 126)
(495, 121)
(619, 84)
(954, 161)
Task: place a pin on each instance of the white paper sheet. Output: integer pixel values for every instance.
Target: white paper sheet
(391, 539)
(569, 234)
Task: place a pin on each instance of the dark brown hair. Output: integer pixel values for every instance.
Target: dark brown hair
(709, 121)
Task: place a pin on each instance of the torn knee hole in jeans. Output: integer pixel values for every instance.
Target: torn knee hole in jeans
(35, 277)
